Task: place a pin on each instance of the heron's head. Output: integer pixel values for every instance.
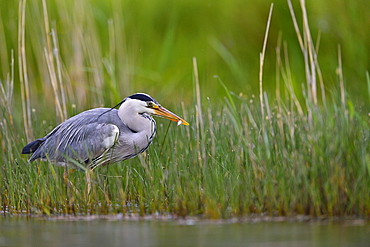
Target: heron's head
(143, 103)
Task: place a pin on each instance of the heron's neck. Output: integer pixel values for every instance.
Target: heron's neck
(134, 120)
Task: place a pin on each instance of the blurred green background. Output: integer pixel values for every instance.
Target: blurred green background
(110, 49)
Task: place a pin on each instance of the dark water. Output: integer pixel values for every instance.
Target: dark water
(42, 232)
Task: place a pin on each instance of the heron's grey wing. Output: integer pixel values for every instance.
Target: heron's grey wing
(78, 142)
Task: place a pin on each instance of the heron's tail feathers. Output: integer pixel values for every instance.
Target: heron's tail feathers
(33, 146)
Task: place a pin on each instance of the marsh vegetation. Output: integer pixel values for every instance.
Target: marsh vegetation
(278, 113)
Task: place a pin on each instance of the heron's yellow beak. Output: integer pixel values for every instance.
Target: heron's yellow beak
(163, 112)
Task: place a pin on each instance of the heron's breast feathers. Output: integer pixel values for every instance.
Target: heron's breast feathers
(112, 137)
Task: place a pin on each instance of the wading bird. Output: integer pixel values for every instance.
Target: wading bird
(102, 136)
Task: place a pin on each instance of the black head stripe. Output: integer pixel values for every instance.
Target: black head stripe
(142, 97)
(138, 96)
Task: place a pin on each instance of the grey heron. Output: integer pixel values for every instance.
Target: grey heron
(102, 136)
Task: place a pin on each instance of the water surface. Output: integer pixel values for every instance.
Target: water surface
(19, 231)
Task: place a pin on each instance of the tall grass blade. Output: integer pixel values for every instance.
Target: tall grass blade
(262, 58)
(23, 75)
(341, 81)
(199, 116)
(368, 83)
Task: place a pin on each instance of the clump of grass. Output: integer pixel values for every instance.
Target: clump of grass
(245, 156)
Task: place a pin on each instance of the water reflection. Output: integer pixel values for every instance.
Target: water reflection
(41, 232)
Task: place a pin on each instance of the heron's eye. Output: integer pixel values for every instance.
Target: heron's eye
(150, 104)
